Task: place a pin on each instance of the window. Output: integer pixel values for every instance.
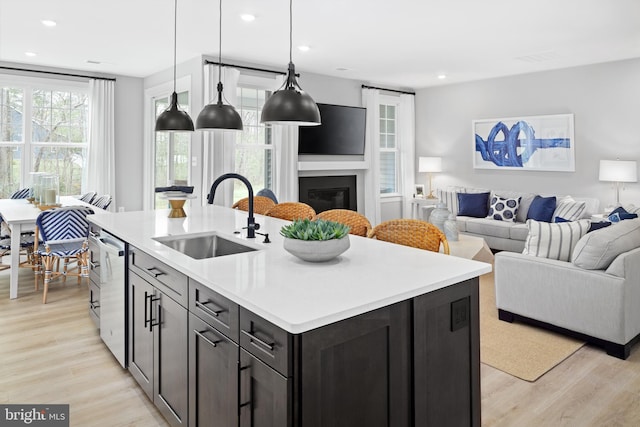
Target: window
(254, 148)
(389, 154)
(43, 128)
(172, 151)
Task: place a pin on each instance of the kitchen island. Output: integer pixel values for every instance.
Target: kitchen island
(383, 335)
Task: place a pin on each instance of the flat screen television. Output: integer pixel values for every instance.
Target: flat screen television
(342, 131)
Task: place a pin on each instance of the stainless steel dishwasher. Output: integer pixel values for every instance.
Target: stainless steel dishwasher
(111, 256)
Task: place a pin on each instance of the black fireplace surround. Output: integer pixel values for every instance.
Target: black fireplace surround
(328, 192)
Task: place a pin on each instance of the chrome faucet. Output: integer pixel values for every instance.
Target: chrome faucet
(252, 226)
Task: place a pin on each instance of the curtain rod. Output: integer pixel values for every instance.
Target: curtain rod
(389, 90)
(222, 64)
(57, 73)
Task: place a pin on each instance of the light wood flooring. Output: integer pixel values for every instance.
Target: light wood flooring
(53, 354)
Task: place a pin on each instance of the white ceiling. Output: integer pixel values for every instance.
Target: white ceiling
(398, 43)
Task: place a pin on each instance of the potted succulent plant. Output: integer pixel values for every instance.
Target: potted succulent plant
(315, 241)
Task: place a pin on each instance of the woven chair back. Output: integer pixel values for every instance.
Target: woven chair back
(64, 223)
(359, 224)
(291, 211)
(261, 204)
(411, 232)
(23, 193)
(102, 202)
(88, 197)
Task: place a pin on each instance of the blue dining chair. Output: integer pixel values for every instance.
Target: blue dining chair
(102, 202)
(64, 232)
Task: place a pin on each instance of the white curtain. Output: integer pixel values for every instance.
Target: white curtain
(99, 175)
(285, 145)
(219, 146)
(407, 147)
(371, 101)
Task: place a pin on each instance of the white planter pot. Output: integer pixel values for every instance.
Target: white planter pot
(316, 250)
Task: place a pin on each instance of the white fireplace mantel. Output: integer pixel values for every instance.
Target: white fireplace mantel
(326, 166)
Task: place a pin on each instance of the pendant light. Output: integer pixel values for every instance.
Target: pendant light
(174, 119)
(290, 105)
(218, 115)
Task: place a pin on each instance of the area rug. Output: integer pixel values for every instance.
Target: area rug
(520, 350)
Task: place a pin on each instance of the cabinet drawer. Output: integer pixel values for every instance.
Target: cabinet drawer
(165, 278)
(266, 341)
(218, 311)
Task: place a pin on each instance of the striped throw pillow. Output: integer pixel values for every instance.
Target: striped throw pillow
(554, 240)
(569, 209)
(450, 198)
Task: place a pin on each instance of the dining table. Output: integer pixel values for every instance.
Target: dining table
(20, 216)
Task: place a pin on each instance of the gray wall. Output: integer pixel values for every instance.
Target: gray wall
(605, 99)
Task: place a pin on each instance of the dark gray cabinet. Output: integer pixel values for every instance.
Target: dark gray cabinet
(213, 376)
(447, 356)
(158, 342)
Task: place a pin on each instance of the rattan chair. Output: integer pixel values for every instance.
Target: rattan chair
(291, 211)
(64, 234)
(411, 232)
(261, 204)
(359, 224)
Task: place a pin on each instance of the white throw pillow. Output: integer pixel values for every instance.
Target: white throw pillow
(569, 209)
(554, 240)
(598, 249)
(503, 209)
(450, 198)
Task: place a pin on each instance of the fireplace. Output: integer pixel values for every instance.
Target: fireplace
(328, 192)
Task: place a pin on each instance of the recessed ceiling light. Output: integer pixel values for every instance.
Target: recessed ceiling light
(91, 61)
(304, 48)
(442, 76)
(30, 53)
(342, 69)
(246, 17)
(48, 23)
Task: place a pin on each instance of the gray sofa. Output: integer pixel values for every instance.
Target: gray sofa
(595, 296)
(502, 235)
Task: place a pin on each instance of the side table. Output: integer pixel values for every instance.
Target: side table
(418, 204)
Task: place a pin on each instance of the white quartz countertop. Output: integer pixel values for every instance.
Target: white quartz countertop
(293, 294)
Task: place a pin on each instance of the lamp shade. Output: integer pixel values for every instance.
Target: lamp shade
(173, 118)
(292, 107)
(618, 170)
(430, 164)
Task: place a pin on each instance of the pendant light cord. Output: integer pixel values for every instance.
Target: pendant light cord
(220, 42)
(290, 30)
(175, 42)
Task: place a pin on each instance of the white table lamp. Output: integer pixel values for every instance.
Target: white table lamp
(430, 165)
(618, 171)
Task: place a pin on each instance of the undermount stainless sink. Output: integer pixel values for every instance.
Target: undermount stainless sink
(201, 246)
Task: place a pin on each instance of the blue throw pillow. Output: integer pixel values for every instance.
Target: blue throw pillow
(542, 208)
(598, 225)
(473, 204)
(620, 214)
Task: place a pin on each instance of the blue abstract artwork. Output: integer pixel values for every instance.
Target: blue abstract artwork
(543, 143)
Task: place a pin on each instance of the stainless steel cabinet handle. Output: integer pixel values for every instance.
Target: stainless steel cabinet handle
(201, 335)
(203, 306)
(255, 339)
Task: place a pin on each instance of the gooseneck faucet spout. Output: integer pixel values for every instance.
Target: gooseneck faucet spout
(251, 223)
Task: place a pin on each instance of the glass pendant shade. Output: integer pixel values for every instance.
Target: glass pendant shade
(219, 116)
(173, 118)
